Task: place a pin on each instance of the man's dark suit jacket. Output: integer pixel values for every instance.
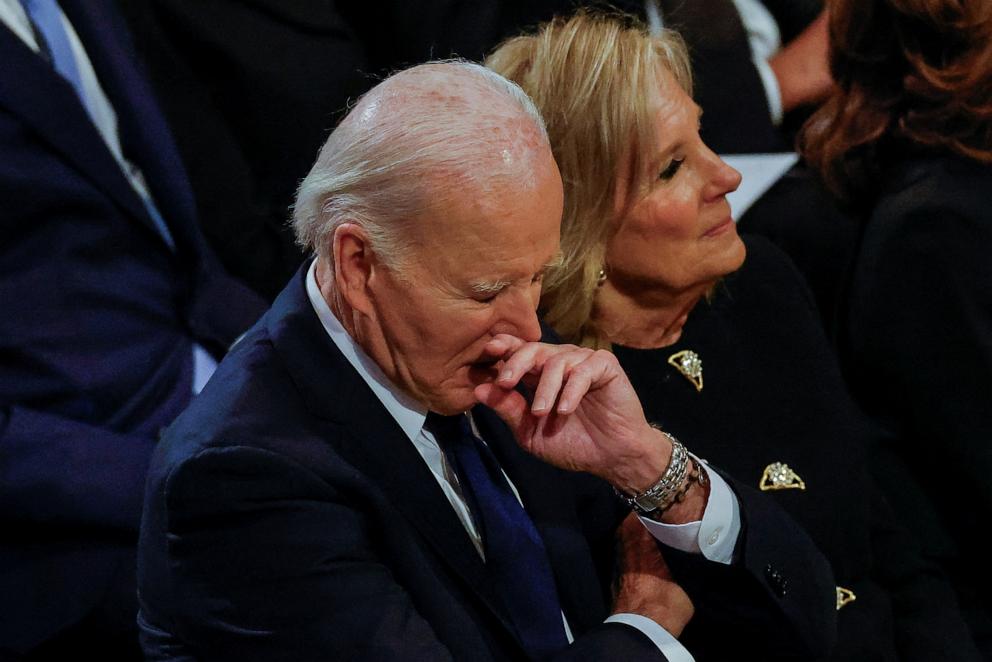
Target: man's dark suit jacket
(98, 321)
(288, 517)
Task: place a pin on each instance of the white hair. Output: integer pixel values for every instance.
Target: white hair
(417, 138)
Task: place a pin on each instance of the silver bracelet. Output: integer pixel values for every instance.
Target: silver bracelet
(661, 495)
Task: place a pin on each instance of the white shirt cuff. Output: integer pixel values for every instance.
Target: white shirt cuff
(715, 536)
(659, 636)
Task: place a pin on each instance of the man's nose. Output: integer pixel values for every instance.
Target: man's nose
(519, 317)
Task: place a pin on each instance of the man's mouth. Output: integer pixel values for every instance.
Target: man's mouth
(487, 368)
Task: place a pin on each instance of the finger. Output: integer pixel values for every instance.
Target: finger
(508, 404)
(529, 357)
(503, 345)
(552, 375)
(578, 382)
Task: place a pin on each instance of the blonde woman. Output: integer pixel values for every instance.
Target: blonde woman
(723, 350)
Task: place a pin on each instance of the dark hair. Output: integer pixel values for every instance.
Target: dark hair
(908, 72)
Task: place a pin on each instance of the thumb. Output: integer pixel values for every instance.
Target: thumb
(510, 405)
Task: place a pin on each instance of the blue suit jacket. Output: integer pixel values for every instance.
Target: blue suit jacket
(98, 321)
(289, 517)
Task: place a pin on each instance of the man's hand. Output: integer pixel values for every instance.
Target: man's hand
(584, 415)
(644, 585)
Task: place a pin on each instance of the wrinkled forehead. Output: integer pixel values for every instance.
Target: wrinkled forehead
(514, 190)
(477, 228)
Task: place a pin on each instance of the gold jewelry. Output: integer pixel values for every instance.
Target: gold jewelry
(688, 363)
(779, 476)
(601, 277)
(845, 596)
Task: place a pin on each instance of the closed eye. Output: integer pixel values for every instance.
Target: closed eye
(671, 169)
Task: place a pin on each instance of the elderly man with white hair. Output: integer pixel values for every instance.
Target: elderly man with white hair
(389, 465)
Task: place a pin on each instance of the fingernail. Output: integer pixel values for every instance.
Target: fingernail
(507, 374)
(562, 407)
(540, 404)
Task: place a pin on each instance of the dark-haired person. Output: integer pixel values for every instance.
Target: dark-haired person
(906, 140)
(725, 350)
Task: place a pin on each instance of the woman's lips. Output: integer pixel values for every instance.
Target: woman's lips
(720, 228)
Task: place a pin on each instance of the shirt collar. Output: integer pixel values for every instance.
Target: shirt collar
(407, 412)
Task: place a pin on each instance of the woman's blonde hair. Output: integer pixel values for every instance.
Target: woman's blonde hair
(595, 78)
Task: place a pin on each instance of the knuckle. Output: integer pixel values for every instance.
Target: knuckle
(605, 355)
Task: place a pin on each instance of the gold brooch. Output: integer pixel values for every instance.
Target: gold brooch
(778, 476)
(844, 596)
(690, 365)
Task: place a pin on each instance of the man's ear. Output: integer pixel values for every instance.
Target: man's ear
(354, 266)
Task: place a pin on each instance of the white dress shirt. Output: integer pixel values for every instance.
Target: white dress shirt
(715, 536)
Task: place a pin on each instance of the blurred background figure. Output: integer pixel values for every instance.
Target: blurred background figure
(252, 88)
(114, 313)
(755, 64)
(906, 142)
(731, 354)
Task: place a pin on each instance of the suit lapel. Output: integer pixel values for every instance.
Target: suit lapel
(48, 104)
(143, 131)
(373, 442)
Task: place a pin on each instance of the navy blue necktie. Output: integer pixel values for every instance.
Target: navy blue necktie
(515, 554)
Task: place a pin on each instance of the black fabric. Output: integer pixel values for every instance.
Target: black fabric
(736, 118)
(252, 89)
(918, 350)
(772, 392)
(801, 217)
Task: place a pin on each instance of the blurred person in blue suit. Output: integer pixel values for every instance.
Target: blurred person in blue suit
(114, 314)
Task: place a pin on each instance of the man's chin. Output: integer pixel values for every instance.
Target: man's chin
(455, 404)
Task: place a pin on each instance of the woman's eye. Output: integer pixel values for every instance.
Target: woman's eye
(671, 169)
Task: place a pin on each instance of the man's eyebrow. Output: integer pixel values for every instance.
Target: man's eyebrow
(489, 287)
(496, 286)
